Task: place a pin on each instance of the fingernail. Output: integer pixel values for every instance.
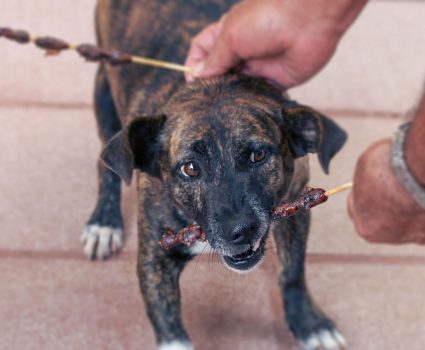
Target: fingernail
(198, 68)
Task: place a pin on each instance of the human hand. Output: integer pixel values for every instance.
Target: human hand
(380, 207)
(285, 42)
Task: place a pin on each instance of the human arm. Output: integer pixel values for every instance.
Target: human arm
(283, 41)
(380, 207)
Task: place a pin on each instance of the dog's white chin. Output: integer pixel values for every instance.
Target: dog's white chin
(176, 345)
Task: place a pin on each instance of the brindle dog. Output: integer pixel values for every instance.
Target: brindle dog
(219, 153)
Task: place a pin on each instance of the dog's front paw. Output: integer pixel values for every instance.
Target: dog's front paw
(176, 345)
(325, 339)
(101, 241)
(312, 328)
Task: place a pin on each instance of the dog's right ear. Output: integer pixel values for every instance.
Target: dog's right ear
(134, 147)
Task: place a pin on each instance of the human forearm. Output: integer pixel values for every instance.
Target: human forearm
(334, 16)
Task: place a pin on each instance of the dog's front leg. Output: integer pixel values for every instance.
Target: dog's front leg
(313, 329)
(159, 273)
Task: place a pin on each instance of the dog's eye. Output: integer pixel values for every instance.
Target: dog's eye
(257, 156)
(190, 169)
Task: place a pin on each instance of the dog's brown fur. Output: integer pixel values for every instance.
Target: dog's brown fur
(168, 122)
(158, 29)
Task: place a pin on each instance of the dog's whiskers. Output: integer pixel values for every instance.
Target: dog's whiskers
(199, 256)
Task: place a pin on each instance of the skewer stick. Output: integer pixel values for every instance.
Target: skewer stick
(338, 189)
(160, 64)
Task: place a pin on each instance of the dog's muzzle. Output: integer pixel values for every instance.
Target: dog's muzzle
(245, 261)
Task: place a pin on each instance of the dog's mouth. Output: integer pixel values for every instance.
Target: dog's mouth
(247, 260)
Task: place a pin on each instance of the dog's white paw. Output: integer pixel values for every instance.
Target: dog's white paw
(176, 345)
(101, 241)
(324, 340)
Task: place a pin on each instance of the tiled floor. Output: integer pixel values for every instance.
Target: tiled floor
(52, 298)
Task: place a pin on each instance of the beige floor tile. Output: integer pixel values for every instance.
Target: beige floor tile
(49, 303)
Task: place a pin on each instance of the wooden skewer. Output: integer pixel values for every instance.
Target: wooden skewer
(160, 64)
(338, 189)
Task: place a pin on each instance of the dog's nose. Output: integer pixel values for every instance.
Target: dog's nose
(243, 232)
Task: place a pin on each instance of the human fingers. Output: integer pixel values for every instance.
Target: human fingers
(201, 45)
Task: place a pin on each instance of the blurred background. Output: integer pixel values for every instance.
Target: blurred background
(52, 298)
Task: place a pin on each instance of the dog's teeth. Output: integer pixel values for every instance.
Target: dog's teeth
(256, 245)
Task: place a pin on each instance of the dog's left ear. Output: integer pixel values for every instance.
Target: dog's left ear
(134, 147)
(310, 132)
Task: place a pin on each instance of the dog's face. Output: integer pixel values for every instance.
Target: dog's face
(224, 170)
(225, 150)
